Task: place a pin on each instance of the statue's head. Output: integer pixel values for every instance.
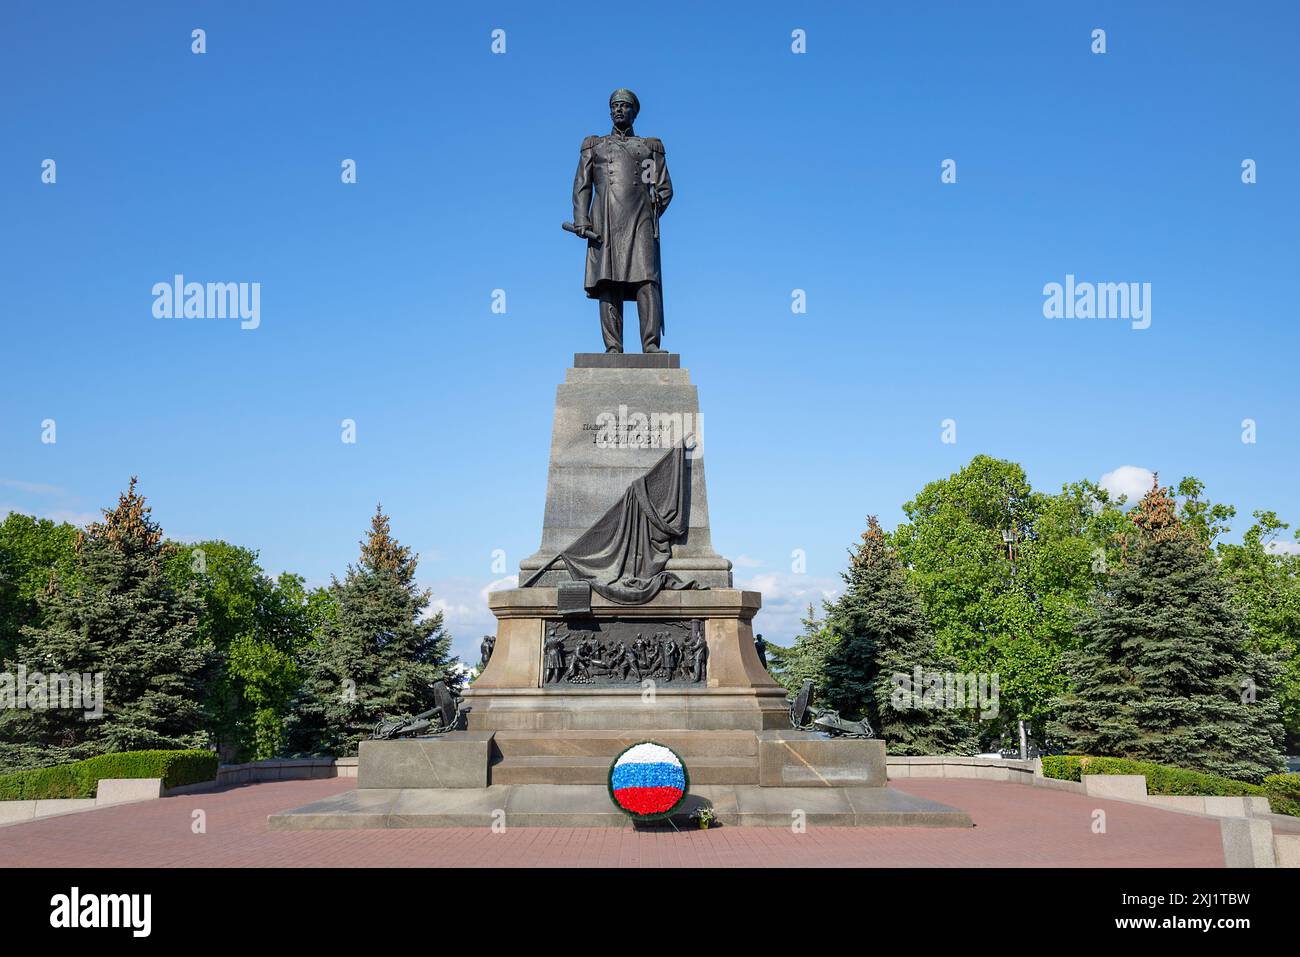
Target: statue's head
(623, 108)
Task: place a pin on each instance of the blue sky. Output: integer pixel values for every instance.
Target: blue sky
(818, 171)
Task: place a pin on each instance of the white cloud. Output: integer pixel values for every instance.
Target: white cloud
(1130, 480)
(80, 519)
(1278, 547)
(786, 598)
(34, 488)
(62, 498)
(509, 581)
(465, 614)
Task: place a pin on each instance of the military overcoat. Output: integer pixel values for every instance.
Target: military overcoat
(612, 195)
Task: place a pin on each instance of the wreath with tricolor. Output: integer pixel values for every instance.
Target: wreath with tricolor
(648, 781)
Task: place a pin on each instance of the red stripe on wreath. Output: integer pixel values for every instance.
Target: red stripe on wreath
(647, 800)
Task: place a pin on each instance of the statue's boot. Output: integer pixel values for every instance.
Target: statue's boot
(650, 311)
(611, 319)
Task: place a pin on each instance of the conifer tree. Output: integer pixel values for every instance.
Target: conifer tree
(881, 635)
(806, 658)
(376, 654)
(120, 617)
(1166, 670)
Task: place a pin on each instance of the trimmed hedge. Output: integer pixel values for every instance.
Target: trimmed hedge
(1282, 790)
(81, 778)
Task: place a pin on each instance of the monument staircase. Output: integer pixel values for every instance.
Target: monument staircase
(584, 757)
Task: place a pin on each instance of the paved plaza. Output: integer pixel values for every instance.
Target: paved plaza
(1015, 826)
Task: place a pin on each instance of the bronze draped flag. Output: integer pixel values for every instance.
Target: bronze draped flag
(624, 553)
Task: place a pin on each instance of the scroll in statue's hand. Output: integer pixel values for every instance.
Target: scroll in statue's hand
(583, 232)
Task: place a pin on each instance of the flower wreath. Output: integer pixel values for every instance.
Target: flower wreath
(648, 781)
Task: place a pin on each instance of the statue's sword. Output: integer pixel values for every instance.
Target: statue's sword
(654, 211)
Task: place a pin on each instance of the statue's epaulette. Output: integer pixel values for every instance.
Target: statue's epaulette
(589, 143)
(655, 143)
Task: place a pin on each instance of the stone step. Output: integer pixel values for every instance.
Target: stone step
(540, 805)
(589, 769)
(608, 744)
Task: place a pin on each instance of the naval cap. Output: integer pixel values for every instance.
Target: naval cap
(627, 96)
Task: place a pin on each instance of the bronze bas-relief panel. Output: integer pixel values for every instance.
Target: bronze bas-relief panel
(617, 652)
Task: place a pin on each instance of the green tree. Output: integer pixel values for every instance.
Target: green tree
(1266, 584)
(31, 550)
(376, 653)
(258, 628)
(118, 616)
(805, 659)
(1000, 569)
(1207, 520)
(879, 633)
(1166, 670)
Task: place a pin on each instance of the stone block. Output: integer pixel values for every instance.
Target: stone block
(540, 805)
(349, 810)
(458, 759)
(15, 812)
(609, 744)
(1125, 787)
(1227, 806)
(625, 710)
(1179, 802)
(1056, 784)
(449, 807)
(1286, 850)
(627, 360)
(127, 790)
(588, 769)
(807, 759)
(928, 770)
(18, 812)
(53, 807)
(1247, 842)
(783, 806)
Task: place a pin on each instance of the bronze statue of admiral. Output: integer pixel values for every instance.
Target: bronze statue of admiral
(620, 191)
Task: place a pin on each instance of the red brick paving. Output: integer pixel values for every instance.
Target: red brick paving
(1015, 826)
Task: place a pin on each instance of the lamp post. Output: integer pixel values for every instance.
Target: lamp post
(1010, 536)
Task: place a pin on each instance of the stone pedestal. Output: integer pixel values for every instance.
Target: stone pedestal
(615, 417)
(456, 760)
(736, 691)
(726, 614)
(810, 759)
(541, 738)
